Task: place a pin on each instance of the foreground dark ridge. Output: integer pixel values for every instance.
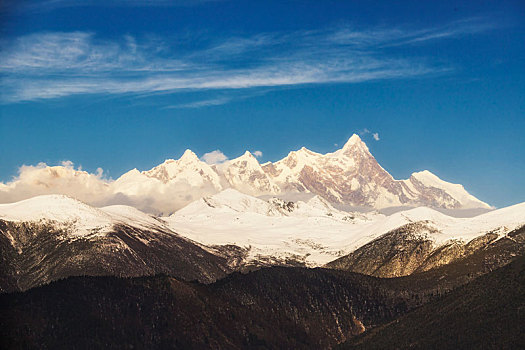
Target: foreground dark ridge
(488, 313)
(270, 308)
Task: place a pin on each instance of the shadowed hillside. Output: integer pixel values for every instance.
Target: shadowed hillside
(488, 313)
(269, 308)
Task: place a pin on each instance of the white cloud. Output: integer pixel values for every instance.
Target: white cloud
(258, 154)
(214, 157)
(64, 179)
(49, 5)
(366, 131)
(67, 164)
(99, 172)
(49, 65)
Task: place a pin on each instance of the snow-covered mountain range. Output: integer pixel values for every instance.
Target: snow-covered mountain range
(349, 176)
(314, 232)
(240, 229)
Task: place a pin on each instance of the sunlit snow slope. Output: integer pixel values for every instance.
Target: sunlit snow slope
(79, 218)
(314, 232)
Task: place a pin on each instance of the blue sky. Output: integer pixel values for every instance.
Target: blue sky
(125, 84)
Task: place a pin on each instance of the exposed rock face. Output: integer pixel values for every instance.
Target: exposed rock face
(397, 253)
(353, 176)
(406, 251)
(41, 253)
(434, 197)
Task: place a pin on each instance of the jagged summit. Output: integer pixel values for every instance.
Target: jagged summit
(353, 140)
(246, 175)
(188, 155)
(247, 156)
(354, 143)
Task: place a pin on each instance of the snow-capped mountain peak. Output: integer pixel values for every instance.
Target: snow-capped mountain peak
(354, 148)
(75, 217)
(248, 154)
(453, 195)
(246, 174)
(189, 157)
(189, 169)
(350, 175)
(353, 141)
(78, 216)
(170, 168)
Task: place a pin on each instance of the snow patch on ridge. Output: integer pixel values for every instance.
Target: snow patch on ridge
(82, 218)
(77, 218)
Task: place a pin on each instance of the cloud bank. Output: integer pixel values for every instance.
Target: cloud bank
(50, 65)
(214, 157)
(145, 193)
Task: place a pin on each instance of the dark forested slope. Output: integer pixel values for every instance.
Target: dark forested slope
(268, 308)
(488, 313)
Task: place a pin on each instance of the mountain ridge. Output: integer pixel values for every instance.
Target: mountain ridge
(225, 232)
(349, 176)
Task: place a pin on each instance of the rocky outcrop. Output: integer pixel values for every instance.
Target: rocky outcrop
(397, 253)
(407, 250)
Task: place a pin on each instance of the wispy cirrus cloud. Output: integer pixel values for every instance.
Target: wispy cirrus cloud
(50, 5)
(389, 37)
(202, 103)
(55, 64)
